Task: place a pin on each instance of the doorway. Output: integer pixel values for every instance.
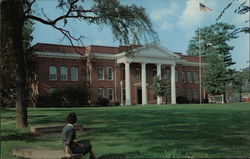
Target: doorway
(139, 96)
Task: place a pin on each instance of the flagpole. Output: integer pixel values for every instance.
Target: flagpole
(199, 51)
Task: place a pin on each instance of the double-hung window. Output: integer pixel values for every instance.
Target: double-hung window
(195, 77)
(100, 73)
(64, 73)
(74, 73)
(52, 73)
(110, 73)
(100, 92)
(168, 75)
(110, 93)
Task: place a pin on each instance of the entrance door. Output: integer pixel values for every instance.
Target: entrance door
(139, 96)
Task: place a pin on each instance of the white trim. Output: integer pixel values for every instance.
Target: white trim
(58, 55)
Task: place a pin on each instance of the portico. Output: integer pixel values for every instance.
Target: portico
(150, 54)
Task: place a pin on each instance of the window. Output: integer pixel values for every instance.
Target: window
(74, 73)
(64, 73)
(110, 93)
(154, 72)
(110, 73)
(183, 77)
(190, 94)
(196, 94)
(176, 76)
(138, 74)
(168, 75)
(195, 77)
(100, 73)
(52, 73)
(189, 77)
(100, 92)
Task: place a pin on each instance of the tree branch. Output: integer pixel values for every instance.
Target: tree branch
(29, 7)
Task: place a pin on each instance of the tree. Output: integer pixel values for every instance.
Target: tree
(8, 65)
(242, 9)
(160, 87)
(241, 81)
(129, 24)
(215, 49)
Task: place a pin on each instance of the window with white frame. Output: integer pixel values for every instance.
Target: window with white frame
(138, 74)
(110, 93)
(110, 73)
(63, 73)
(189, 77)
(176, 76)
(183, 76)
(168, 75)
(100, 92)
(100, 73)
(52, 73)
(195, 77)
(74, 73)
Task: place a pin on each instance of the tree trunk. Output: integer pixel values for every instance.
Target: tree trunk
(12, 17)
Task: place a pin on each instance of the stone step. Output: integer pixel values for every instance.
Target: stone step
(52, 128)
(41, 153)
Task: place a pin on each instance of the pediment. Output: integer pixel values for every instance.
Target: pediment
(155, 51)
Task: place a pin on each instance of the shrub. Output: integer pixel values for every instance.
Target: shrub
(43, 101)
(182, 100)
(117, 103)
(70, 96)
(103, 102)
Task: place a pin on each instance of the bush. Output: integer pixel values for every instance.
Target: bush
(103, 102)
(117, 103)
(182, 100)
(70, 96)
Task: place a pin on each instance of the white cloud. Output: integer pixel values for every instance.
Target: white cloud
(190, 16)
(163, 14)
(159, 14)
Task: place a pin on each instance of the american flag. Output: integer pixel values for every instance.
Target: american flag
(204, 8)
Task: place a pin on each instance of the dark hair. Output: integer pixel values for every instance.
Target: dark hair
(71, 118)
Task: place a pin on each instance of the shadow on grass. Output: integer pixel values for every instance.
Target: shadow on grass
(13, 135)
(127, 155)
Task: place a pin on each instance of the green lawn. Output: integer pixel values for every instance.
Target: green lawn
(197, 131)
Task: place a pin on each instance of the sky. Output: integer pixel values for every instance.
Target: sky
(175, 22)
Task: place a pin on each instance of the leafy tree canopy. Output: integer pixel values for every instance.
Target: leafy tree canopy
(213, 37)
(160, 87)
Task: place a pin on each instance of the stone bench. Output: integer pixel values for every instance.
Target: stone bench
(42, 153)
(52, 128)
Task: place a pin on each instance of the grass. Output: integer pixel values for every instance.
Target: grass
(170, 131)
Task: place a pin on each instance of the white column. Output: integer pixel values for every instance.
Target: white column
(159, 99)
(144, 84)
(127, 81)
(173, 93)
(121, 83)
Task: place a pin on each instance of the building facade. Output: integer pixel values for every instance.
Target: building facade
(116, 73)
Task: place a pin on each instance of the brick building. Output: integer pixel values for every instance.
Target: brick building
(113, 73)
